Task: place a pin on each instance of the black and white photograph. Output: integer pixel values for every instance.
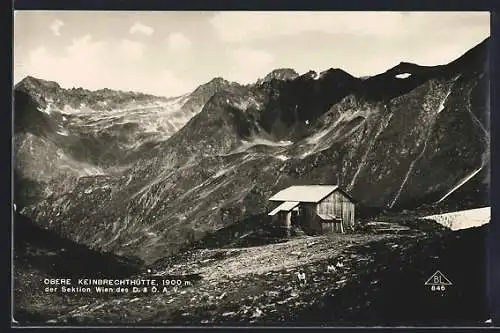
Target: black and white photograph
(250, 168)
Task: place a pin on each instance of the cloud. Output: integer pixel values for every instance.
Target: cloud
(131, 50)
(96, 64)
(139, 28)
(178, 42)
(167, 83)
(56, 26)
(80, 65)
(247, 26)
(248, 64)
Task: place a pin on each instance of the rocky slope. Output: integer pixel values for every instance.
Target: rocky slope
(63, 134)
(246, 286)
(283, 74)
(409, 136)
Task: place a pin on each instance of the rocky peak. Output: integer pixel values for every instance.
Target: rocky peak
(335, 73)
(35, 84)
(213, 86)
(310, 75)
(282, 74)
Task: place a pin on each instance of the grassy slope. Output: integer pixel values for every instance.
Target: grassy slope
(41, 254)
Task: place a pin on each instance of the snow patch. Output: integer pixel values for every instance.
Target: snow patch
(344, 117)
(460, 183)
(362, 164)
(441, 105)
(91, 171)
(156, 119)
(246, 144)
(403, 75)
(62, 132)
(47, 110)
(463, 219)
(222, 172)
(69, 110)
(307, 153)
(318, 136)
(245, 104)
(282, 157)
(313, 139)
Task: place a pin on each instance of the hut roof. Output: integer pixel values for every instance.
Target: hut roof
(284, 207)
(304, 193)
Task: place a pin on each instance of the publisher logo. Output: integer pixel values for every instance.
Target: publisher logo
(438, 282)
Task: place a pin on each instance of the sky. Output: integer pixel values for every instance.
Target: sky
(171, 53)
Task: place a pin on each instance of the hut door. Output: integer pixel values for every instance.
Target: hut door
(348, 220)
(302, 218)
(295, 218)
(288, 218)
(343, 215)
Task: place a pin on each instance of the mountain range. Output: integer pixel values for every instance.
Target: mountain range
(141, 175)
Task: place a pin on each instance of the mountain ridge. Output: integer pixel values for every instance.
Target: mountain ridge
(390, 142)
(280, 74)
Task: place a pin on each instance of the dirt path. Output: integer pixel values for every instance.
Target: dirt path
(236, 262)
